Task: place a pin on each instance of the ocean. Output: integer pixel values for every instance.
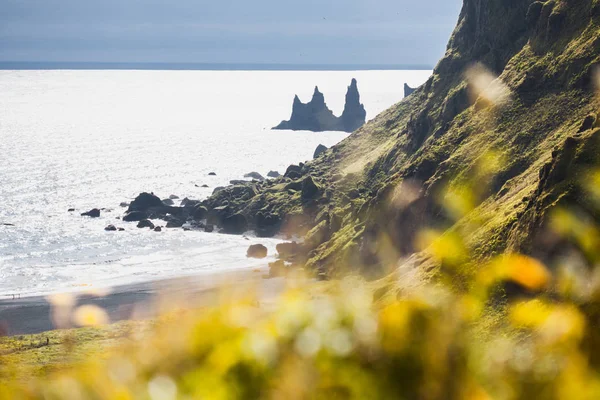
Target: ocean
(87, 139)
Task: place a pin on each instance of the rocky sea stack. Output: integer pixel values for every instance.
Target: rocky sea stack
(316, 117)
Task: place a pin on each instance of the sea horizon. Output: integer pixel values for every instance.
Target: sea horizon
(168, 66)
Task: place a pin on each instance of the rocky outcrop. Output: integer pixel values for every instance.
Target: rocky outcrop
(315, 116)
(408, 90)
(319, 150)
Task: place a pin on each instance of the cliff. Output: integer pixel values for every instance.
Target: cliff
(511, 106)
(315, 116)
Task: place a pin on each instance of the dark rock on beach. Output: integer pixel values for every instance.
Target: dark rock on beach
(254, 175)
(317, 117)
(70, 210)
(110, 228)
(168, 202)
(144, 201)
(145, 223)
(93, 213)
(158, 229)
(209, 228)
(256, 251)
(212, 174)
(135, 216)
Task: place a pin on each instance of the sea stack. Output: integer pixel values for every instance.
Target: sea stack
(315, 116)
(354, 114)
(408, 90)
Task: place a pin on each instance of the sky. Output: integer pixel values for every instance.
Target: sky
(358, 32)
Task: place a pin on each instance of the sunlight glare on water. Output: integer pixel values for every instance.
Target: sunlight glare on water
(93, 139)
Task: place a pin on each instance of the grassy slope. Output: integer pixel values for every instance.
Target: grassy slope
(40, 354)
(439, 137)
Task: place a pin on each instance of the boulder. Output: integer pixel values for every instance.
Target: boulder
(124, 204)
(293, 169)
(135, 216)
(110, 228)
(319, 150)
(309, 188)
(158, 229)
(235, 224)
(93, 213)
(217, 189)
(204, 186)
(145, 223)
(168, 202)
(121, 229)
(254, 175)
(144, 201)
(256, 251)
(173, 197)
(200, 212)
(212, 174)
(209, 228)
(70, 210)
(273, 174)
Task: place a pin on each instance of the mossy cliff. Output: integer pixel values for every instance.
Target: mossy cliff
(517, 81)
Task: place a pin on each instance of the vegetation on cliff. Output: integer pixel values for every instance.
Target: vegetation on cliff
(517, 82)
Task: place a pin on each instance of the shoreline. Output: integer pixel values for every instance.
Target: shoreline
(31, 315)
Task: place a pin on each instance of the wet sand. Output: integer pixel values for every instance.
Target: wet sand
(31, 315)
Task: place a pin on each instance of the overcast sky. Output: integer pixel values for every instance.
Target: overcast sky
(405, 32)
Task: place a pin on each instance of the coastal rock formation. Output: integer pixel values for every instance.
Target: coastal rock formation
(315, 116)
(354, 114)
(542, 58)
(408, 90)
